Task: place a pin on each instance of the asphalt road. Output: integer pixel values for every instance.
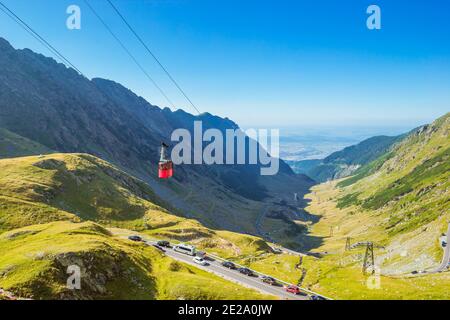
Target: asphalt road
(446, 258)
(234, 276)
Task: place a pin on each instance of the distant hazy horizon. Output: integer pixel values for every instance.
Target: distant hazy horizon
(317, 142)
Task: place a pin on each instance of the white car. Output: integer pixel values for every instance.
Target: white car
(200, 261)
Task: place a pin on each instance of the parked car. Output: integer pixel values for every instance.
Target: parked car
(163, 243)
(415, 272)
(293, 289)
(270, 280)
(444, 244)
(229, 265)
(135, 238)
(316, 297)
(200, 261)
(246, 271)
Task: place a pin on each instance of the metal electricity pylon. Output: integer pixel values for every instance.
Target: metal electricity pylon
(369, 259)
(348, 244)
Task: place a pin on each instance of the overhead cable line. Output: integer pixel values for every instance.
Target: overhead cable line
(53, 50)
(36, 35)
(153, 55)
(129, 53)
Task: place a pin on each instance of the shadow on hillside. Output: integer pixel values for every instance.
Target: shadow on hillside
(307, 242)
(303, 242)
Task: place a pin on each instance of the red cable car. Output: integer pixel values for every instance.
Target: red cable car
(165, 167)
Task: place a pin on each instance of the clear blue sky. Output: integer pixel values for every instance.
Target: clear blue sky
(277, 63)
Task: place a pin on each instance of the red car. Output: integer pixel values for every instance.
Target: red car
(293, 289)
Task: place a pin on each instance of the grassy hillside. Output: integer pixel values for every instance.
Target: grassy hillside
(34, 261)
(401, 202)
(71, 187)
(339, 273)
(410, 184)
(79, 187)
(45, 202)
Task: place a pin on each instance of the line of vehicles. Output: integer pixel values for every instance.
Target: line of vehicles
(200, 258)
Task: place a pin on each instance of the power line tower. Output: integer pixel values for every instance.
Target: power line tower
(348, 244)
(369, 259)
(369, 256)
(331, 231)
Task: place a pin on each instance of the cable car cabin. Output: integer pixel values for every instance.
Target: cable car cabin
(165, 170)
(165, 167)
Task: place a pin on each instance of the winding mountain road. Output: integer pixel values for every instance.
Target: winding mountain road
(216, 268)
(446, 258)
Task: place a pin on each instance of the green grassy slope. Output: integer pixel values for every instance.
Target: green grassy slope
(75, 187)
(412, 182)
(401, 202)
(79, 187)
(55, 208)
(34, 261)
